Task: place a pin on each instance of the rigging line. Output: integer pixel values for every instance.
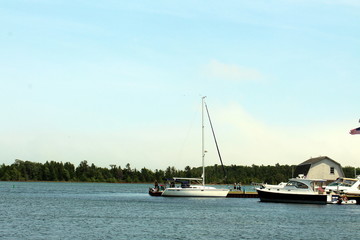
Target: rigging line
(217, 147)
(187, 134)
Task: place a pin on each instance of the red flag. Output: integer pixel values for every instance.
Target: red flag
(355, 131)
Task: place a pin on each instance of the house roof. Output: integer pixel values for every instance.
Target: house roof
(304, 167)
(318, 159)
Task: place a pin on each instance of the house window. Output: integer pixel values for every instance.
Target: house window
(332, 170)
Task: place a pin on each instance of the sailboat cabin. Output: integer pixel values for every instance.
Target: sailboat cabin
(320, 168)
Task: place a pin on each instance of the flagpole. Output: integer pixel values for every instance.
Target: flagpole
(353, 132)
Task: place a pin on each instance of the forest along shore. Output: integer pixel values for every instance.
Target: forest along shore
(67, 172)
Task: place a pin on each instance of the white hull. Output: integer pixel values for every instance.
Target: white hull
(348, 202)
(195, 192)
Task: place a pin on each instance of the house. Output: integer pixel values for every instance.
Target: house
(320, 168)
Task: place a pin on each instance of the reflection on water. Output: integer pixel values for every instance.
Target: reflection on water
(126, 211)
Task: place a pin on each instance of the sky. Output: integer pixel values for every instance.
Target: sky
(117, 82)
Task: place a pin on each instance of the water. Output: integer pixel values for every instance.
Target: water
(126, 211)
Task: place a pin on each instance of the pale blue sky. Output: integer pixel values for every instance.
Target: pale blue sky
(117, 82)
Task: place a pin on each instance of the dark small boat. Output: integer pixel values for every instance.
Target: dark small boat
(155, 192)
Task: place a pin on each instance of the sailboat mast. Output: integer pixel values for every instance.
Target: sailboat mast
(202, 140)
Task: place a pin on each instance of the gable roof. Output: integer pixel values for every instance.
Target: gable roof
(318, 159)
(304, 167)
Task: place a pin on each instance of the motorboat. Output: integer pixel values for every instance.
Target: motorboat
(345, 185)
(348, 187)
(296, 190)
(187, 187)
(157, 190)
(340, 199)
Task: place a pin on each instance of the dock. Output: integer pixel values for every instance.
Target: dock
(242, 194)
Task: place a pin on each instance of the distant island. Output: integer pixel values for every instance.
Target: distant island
(57, 171)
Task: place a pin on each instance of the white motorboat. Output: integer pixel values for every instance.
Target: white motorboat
(340, 199)
(187, 188)
(345, 185)
(348, 187)
(297, 190)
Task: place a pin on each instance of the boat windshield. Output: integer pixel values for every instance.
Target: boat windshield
(348, 183)
(297, 184)
(343, 182)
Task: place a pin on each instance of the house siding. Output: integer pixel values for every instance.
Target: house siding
(322, 170)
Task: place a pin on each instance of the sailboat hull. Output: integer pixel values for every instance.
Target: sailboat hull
(195, 192)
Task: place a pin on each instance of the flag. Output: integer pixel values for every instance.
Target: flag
(355, 131)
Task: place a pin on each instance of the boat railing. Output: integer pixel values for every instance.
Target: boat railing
(257, 185)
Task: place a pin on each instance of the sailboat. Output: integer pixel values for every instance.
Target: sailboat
(187, 187)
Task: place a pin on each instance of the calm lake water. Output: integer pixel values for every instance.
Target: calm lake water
(126, 211)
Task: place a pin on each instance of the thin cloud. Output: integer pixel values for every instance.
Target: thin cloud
(232, 72)
(252, 141)
(351, 3)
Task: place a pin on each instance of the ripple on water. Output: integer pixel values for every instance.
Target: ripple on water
(126, 211)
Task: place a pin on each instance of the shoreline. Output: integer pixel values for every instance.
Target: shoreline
(151, 183)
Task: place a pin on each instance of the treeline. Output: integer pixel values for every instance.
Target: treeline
(58, 171)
